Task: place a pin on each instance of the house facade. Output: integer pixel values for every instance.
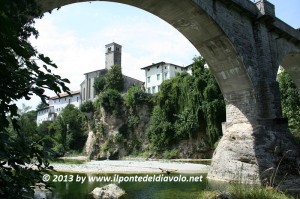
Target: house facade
(113, 56)
(156, 73)
(56, 105)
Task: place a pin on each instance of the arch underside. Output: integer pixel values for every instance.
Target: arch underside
(291, 63)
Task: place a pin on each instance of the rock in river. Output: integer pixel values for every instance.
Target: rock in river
(111, 191)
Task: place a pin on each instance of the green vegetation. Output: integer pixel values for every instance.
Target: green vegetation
(21, 77)
(290, 102)
(187, 105)
(69, 128)
(136, 96)
(246, 192)
(113, 79)
(111, 100)
(65, 133)
(99, 84)
(86, 107)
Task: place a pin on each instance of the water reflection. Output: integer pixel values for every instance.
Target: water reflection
(134, 190)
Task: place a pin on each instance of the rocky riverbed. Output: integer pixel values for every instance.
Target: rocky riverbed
(128, 166)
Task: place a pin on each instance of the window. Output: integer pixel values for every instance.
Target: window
(153, 89)
(166, 75)
(69, 101)
(65, 99)
(77, 99)
(158, 77)
(158, 88)
(149, 90)
(83, 94)
(148, 69)
(148, 79)
(109, 49)
(118, 49)
(175, 67)
(157, 66)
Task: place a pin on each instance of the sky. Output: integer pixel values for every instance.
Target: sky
(75, 35)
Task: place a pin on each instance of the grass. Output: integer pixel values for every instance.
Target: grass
(246, 192)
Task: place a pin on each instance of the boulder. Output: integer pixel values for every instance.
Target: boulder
(42, 193)
(224, 196)
(111, 191)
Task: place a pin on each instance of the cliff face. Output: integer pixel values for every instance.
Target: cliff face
(114, 136)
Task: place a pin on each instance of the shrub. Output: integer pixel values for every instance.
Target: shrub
(136, 96)
(87, 107)
(111, 101)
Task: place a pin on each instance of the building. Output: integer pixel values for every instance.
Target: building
(56, 105)
(113, 56)
(156, 73)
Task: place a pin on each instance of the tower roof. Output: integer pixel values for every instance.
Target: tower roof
(111, 44)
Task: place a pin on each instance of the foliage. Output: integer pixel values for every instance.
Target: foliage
(160, 131)
(86, 107)
(136, 96)
(246, 192)
(72, 123)
(170, 154)
(111, 101)
(99, 84)
(133, 120)
(102, 129)
(21, 77)
(118, 137)
(185, 105)
(290, 102)
(114, 79)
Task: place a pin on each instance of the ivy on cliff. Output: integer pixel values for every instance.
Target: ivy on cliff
(186, 105)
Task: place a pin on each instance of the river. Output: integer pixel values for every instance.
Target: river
(163, 189)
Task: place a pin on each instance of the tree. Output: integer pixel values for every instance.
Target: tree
(87, 107)
(99, 84)
(290, 102)
(111, 101)
(114, 79)
(136, 96)
(73, 119)
(21, 77)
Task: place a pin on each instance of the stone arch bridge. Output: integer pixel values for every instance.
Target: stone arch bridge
(244, 44)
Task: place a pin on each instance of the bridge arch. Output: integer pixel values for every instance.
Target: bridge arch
(291, 64)
(235, 38)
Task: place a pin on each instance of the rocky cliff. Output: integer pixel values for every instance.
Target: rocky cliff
(114, 136)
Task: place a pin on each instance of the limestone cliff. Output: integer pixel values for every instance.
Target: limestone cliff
(114, 136)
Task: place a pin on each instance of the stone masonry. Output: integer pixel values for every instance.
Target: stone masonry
(244, 44)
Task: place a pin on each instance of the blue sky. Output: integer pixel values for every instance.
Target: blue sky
(74, 37)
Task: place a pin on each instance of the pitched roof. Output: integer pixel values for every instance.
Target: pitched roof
(159, 63)
(65, 94)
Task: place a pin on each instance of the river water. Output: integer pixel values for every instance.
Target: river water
(136, 186)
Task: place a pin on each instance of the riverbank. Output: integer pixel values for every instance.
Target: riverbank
(131, 166)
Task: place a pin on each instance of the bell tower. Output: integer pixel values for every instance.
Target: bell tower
(113, 52)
